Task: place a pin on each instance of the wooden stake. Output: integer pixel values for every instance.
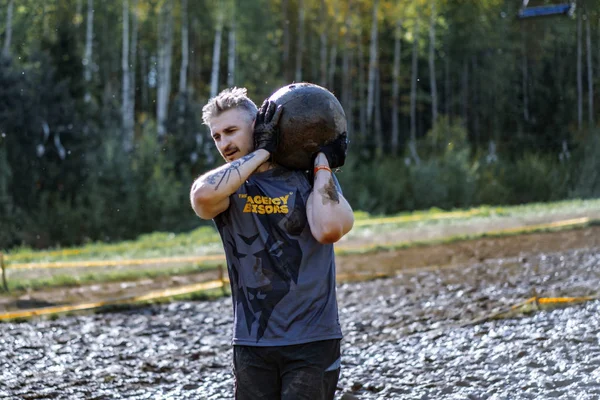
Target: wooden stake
(4, 283)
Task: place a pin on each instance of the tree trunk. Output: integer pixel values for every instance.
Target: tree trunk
(286, 41)
(195, 47)
(127, 134)
(396, 88)
(434, 97)
(377, 122)
(165, 48)
(350, 95)
(465, 94)
(144, 72)
(475, 96)
(45, 26)
(300, 41)
(87, 58)
(346, 85)
(590, 73)
(323, 47)
(8, 35)
(214, 80)
(373, 63)
(232, 49)
(413, 93)
(447, 85)
(579, 73)
(334, 49)
(132, 69)
(525, 79)
(78, 11)
(362, 86)
(185, 53)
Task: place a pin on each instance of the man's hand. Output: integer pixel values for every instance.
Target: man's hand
(335, 151)
(266, 130)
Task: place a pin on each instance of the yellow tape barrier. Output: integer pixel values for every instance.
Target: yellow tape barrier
(114, 263)
(154, 295)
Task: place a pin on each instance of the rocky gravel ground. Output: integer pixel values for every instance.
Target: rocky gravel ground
(421, 334)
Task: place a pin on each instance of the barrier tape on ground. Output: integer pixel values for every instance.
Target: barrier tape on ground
(116, 263)
(154, 295)
(220, 257)
(531, 300)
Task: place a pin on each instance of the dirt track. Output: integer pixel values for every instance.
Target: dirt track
(350, 267)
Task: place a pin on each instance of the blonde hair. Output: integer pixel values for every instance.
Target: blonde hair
(229, 98)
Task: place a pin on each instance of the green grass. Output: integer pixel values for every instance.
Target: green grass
(461, 238)
(205, 240)
(63, 280)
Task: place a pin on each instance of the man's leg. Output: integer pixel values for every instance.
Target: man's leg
(256, 373)
(310, 371)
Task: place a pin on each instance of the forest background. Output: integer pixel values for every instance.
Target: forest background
(450, 104)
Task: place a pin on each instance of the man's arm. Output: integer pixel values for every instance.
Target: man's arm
(210, 192)
(329, 215)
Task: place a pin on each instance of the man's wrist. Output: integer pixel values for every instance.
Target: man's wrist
(321, 159)
(263, 152)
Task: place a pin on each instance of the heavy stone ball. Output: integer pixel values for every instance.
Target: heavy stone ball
(312, 116)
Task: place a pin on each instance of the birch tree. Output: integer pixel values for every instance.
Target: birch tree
(231, 54)
(334, 48)
(396, 87)
(87, 58)
(286, 40)
(323, 48)
(413, 93)
(524, 79)
(590, 71)
(300, 41)
(8, 32)
(125, 96)
(132, 66)
(165, 49)
(362, 87)
(185, 54)
(579, 73)
(373, 62)
(214, 79)
(346, 86)
(434, 97)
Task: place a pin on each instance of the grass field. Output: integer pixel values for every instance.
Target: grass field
(205, 241)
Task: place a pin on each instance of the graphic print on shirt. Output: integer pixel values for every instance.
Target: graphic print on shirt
(270, 265)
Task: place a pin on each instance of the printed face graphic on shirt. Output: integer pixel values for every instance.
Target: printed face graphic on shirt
(274, 257)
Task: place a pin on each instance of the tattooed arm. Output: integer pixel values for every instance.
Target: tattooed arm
(329, 215)
(210, 192)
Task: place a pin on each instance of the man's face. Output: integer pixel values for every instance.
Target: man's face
(232, 132)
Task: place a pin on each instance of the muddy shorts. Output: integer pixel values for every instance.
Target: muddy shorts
(304, 371)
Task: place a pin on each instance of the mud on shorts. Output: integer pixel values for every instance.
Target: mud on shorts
(305, 371)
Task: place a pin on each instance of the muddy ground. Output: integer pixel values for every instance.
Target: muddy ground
(422, 333)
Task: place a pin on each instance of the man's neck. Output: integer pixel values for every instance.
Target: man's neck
(267, 165)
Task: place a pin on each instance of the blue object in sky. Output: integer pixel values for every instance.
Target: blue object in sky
(545, 10)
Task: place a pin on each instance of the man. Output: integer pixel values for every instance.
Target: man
(278, 227)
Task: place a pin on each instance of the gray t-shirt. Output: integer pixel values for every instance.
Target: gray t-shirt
(282, 279)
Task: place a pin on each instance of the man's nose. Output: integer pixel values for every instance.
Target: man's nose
(224, 142)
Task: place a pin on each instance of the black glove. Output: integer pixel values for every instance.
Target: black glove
(335, 151)
(266, 131)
